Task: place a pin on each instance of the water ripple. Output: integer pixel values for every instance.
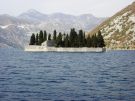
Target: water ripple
(67, 76)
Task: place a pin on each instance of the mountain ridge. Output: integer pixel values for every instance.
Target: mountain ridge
(118, 28)
(13, 29)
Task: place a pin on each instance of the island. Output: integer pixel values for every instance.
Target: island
(70, 42)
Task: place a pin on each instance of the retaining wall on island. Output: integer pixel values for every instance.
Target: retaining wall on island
(33, 48)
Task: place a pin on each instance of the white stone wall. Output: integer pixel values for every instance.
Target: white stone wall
(54, 49)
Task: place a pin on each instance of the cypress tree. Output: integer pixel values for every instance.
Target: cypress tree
(41, 37)
(89, 42)
(101, 42)
(76, 41)
(84, 40)
(94, 41)
(66, 41)
(80, 38)
(37, 40)
(54, 35)
(59, 40)
(32, 39)
(49, 37)
(73, 38)
(45, 36)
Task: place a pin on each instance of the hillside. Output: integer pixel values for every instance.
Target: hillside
(15, 31)
(119, 30)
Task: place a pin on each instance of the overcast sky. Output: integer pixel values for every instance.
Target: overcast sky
(99, 8)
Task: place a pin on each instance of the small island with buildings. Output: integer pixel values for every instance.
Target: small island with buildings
(61, 42)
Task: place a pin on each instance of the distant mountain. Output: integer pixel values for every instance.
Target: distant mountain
(6, 19)
(33, 16)
(15, 31)
(119, 30)
(59, 21)
(11, 33)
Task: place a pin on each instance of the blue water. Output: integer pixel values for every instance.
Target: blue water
(27, 76)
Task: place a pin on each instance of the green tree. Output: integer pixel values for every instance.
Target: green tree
(59, 40)
(45, 36)
(66, 41)
(37, 40)
(89, 42)
(73, 38)
(94, 41)
(80, 38)
(32, 39)
(100, 40)
(76, 42)
(49, 37)
(41, 40)
(84, 40)
(54, 35)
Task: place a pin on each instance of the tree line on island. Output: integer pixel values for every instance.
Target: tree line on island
(73, 39)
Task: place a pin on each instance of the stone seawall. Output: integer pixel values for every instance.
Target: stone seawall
(54, 49)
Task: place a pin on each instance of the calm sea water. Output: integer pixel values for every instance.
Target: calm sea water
(27, 76)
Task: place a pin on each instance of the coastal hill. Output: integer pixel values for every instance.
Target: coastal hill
(16, 31)
(119, 30)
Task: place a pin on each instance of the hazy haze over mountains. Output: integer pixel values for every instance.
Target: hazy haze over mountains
(15, 31)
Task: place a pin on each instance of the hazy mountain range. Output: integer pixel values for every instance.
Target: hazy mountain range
(15, 31)
(119, 30)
